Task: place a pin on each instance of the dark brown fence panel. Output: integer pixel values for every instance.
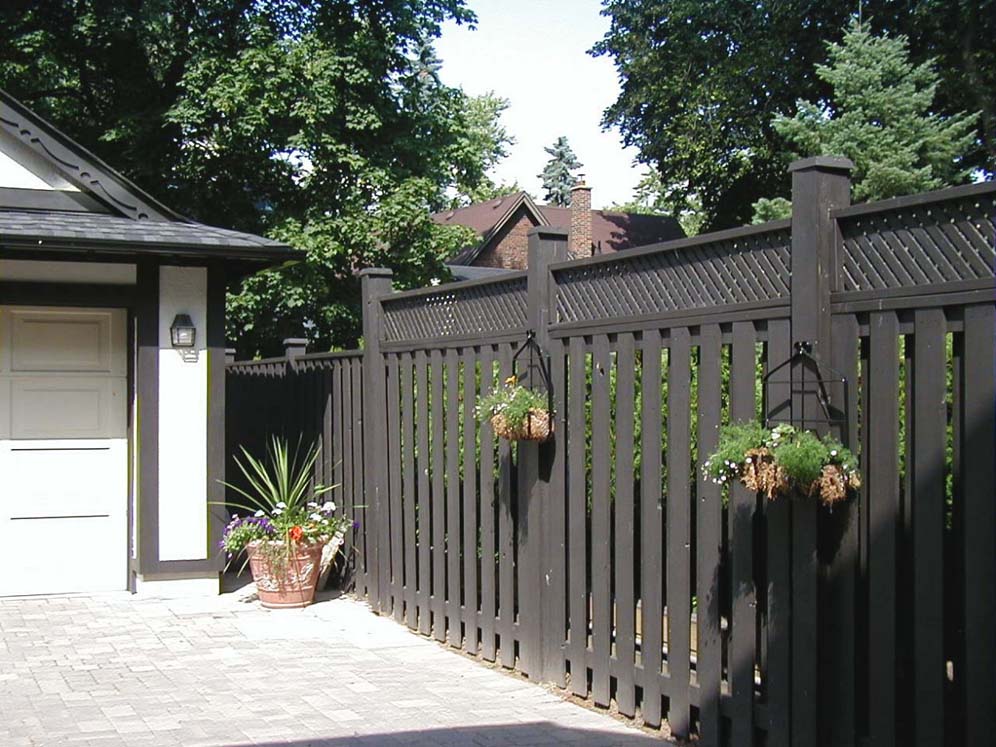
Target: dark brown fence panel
(604, 560)
(308, 398)
(935, 238)
(742, 266)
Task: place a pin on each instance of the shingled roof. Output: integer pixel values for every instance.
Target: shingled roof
(99, 210)
(611, 230)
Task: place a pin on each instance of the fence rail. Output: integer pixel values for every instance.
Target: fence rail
(602, 561)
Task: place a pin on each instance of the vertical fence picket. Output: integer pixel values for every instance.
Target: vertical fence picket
(424, 493)
(778, 673)
(741, 528)
(453, 558)
(709, 543)
(601, 539)
(577, 517)
(928, 476)
(394, 459)
(978, 443)
(437, 416)
(506, 534)
(487, 563)
(883, 500)
(359, 487)
(468, 360)
(554, 589)
(409, 448)
(651, 572)
(625, 602)
(678, 532)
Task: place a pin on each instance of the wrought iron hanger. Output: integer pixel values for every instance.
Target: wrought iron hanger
(803, 352)
(544, 365)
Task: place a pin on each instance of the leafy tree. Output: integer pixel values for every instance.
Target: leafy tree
(557, 175)
(771, 208)
(483, 143)
(879, 115)
(322, 124)
(701, 82)
(650, 198)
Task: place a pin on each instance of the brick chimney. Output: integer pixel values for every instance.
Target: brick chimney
(579, 241)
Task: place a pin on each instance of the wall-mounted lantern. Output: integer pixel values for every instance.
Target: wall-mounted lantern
(182, 332)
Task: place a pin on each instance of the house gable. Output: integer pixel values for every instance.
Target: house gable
(508, 247)
(54, 172)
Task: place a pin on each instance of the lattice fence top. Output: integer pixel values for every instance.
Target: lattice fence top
(918, 243)
(457, 310)
(743, 266)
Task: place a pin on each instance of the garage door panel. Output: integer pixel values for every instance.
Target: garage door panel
(44, 340)
(67, 478)
(63, 450)
(67, 407)
(52, 556)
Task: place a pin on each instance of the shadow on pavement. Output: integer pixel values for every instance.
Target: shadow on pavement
(499, 735)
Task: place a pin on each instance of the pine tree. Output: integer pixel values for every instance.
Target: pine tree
(880, 117)
(557, 177)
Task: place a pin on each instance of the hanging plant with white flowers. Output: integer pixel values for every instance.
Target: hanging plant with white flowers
(783, 460)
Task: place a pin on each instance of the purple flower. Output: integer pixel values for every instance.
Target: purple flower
(356, 525)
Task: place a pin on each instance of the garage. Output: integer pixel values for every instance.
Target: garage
(112, 359)
(63, 450)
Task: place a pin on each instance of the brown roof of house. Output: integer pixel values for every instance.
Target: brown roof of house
(611, 230)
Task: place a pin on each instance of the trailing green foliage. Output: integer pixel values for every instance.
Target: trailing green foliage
(778, 459)
(513, 402)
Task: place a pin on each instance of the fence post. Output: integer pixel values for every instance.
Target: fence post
(819, 185)
(374, 283)
(537, 548)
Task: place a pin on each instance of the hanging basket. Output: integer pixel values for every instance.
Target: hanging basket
(537, 426)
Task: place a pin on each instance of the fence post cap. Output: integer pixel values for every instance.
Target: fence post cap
(295, 346)
(822, 163)
(375, 272)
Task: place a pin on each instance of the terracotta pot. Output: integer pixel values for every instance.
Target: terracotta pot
(285, 579)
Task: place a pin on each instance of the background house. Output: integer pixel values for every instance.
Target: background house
(112, 389)
(503, 224)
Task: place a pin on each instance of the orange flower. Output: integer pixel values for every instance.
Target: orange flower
(296, 533)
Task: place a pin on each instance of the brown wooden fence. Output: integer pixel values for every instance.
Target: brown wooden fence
(602, 561)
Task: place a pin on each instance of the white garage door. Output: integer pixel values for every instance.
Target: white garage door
(63, 450)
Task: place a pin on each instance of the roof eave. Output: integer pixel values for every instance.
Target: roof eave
(267, 255)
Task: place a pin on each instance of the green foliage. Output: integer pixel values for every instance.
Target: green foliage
(735, 440)
(281, 500)
(773, 208)
(512, 401)
(700, 82)
(557, 175)
(800, 454)
(880, 116)
(651, 198)
(321, 124)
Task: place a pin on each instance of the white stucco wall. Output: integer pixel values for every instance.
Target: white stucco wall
(22, 168)
(183, 418)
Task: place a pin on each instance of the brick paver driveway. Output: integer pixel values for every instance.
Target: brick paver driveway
(121, 670)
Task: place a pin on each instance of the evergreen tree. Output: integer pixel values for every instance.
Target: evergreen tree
(557, 175)
(880, 116)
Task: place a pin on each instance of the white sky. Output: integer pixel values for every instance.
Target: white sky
(534, 53)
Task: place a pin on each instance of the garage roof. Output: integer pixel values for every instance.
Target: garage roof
(99, 210)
